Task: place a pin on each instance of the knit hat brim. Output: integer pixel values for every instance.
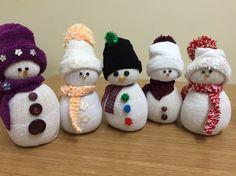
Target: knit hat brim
(79, 55)
(207, 57)
(73, 64)
(29, 52)
(164, 55)
(160, 62)
(120, 65)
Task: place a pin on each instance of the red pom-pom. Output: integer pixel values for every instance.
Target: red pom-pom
(200, 42)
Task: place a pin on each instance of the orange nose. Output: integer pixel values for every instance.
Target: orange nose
(121, 79)
(206, 76)
(25, 73)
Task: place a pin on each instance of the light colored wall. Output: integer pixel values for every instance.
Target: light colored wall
(138, 20)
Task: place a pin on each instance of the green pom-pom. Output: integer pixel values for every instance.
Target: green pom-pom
(111, 38)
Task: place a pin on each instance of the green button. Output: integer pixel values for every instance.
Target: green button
(125, 97)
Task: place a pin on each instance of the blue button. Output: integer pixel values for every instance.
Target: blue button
(127, 108)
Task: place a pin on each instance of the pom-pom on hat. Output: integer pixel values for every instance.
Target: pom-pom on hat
(118, 54)
(204, 53)
(164, 53)
(16, 44)
(79, 51)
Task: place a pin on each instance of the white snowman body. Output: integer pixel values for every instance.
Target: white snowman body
(172, 102)
(164, 67)
(90, 109)
(45, 122)
(139, 109)
(195, 109)
(21, 117)
(196, 105)
(167, 109)
(89, 115)
(137, 101)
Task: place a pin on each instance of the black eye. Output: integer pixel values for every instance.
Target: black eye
(210, 71)
(126, 73)
(26, 68)
(170, 71)
(87, 74)
(164, 71)
(116, 73)
(19, 69)
(203, 72)
(80, 73)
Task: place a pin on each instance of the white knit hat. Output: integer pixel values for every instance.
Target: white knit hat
(204, 54)
(208, 57)
(164, 54)
(79, 51)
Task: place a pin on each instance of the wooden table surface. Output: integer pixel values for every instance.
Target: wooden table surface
(155, 150)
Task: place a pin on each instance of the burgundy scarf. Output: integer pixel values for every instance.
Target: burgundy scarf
(9, 88)
(159, 89)
(111, 92)
(213, 92)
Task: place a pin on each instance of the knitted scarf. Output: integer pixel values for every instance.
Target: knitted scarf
(8, 89)
(159, 89)
(213, 92)
(75, 94)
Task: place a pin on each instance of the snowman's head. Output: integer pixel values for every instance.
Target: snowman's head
(166, 74)
(123, 77)
(22, 70)
(82, 77)
(207, 76)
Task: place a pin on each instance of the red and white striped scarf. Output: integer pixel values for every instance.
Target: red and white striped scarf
(213, 92)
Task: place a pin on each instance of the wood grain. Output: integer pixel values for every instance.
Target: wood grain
(155, 150)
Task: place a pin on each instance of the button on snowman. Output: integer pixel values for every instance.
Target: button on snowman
(29, 109)
(124, 103)
(81, 110)
(206, 108)
(164, 66)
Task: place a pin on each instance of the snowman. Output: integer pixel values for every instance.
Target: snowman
(165, 65)
(29, 109)
(81, 110)
(124, 103)
(206, 108)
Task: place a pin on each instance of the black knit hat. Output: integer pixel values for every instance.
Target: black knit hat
(118, 54)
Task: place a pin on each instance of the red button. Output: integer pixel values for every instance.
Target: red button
(36, 109)
(37, 126)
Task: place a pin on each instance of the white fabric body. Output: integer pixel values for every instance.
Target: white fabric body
(21, 117)
(138, 113)
(173, 102)
(89, 116)
(195, 109)
(164, 55)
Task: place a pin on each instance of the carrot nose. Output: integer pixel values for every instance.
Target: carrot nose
(206, 76)
(167, 75)
(121, 79)
(84, 77)
(25, 73)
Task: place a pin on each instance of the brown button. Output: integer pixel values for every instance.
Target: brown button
(36, 109)
(164, 116)
(32, 96)
(164, 108)
(37, 126)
